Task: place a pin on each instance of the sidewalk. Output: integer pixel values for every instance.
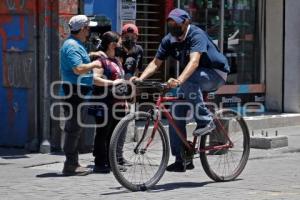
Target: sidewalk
(257, 123)
(269, 174)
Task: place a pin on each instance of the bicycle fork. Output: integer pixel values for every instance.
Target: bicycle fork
(143, 150)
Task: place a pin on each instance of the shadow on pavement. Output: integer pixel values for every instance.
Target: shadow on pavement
(121, 189)
(50, 175)
(163, 187)
(59, 174)
(118, 192)
(178, 185)
(12, 153)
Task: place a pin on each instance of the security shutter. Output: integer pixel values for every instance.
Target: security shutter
(150, 20)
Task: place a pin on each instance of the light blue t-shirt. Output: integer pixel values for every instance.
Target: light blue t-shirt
(73, 54)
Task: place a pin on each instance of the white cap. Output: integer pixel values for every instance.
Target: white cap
(79, 21)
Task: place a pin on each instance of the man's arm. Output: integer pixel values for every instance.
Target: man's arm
(84, 68)
(187, 72)
(96, 54)
(190, 68)
(152, 67)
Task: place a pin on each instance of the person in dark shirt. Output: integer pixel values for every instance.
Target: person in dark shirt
(132, 57)
(204, 69)
(108, 77)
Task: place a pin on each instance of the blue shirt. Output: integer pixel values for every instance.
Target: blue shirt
(73, 54)
(196, 41)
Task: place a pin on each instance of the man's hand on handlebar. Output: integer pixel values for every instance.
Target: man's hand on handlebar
(173, 83)
(135, 79)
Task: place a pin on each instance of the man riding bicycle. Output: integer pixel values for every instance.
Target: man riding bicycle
(205, 69)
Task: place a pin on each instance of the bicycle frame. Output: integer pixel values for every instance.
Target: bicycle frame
(151, 149)
(190, 146)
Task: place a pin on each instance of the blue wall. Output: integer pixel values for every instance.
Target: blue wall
(13, 101)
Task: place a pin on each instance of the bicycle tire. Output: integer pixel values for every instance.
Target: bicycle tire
(115, 140)
(220, 156)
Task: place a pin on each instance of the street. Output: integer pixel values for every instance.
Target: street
(269, 174)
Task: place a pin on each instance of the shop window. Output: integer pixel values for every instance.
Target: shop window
(240, 34)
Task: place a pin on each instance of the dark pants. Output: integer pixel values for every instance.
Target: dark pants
(203, 79)
(73, 131)
(103, 136)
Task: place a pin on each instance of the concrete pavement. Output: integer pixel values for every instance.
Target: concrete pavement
(269, 174)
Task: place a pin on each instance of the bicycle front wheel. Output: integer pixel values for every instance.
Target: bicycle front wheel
(224, 153)
(145, 152)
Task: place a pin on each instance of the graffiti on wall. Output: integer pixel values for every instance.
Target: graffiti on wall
(20, 72)
(16, 17)
(17, 22)
(12, 5)
(22, 24)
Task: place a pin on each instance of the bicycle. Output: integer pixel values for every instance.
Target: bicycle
(223, 153)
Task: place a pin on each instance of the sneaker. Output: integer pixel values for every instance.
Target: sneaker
(180, 167)
(176, 167)
(75, 170)
(190, 165)
(200, 131)
(101, 169)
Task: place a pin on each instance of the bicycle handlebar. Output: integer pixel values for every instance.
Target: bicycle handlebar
(154, 84)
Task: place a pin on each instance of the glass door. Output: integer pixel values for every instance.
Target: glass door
(234, 30)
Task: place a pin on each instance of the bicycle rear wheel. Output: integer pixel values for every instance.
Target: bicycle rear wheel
(146, 153)
(224, 153)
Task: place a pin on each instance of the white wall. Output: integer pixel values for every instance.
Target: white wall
(292, 56)
(274, 54)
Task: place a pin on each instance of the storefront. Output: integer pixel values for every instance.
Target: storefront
(234, 27)
(259, 37)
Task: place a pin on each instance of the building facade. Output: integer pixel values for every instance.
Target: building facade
(261, 39)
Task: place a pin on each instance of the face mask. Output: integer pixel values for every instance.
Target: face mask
(119, 51)
(175, 31)
(129, 43)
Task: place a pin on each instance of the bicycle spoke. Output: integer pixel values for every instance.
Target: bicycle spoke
(146, 156)
(226, 163)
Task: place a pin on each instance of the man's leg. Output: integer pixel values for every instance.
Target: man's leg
(193, 95)
(73, 133)
(179, 114)
(203, 79)
(179, 111)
